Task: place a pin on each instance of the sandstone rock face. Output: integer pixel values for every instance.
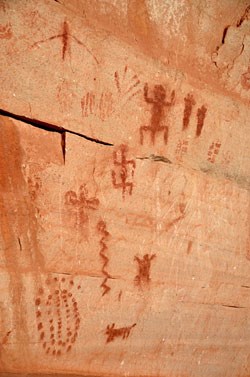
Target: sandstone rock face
(124, 188)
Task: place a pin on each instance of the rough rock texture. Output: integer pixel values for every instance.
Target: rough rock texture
(124, 188)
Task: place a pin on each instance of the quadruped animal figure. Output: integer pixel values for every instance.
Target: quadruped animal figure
(122, 332)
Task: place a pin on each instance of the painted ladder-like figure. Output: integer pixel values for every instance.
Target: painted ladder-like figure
(123, 163)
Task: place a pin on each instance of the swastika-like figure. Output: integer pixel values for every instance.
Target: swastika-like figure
(123, 164)
(158, 103)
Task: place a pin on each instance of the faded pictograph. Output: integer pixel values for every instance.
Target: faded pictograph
(226, 158)
(245, 79)
(169, 15)
(100, 105)
(213, 151)
(248, 249)
(158, 104)
(127, 85)
(6, 31)
(34, 187)
(65, 95)
(105, 103)
(181, 149)
(79, 206)
(66, 38)
(180, 213)
(5, 28)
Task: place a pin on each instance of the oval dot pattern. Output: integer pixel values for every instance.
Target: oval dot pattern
(58, 318)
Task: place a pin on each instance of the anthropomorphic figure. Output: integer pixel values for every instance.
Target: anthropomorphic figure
(158, 102)
(144, 265)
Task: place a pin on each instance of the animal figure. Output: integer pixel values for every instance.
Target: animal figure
(122, 332)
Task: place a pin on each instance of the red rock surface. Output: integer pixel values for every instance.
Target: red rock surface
(124, 188)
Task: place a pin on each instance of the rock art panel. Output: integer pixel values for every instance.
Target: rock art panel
(123, 189)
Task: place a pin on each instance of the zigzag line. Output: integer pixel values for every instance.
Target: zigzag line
(101, 227)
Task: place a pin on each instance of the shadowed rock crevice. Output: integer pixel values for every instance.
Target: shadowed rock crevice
(155, 158)
(50, 127)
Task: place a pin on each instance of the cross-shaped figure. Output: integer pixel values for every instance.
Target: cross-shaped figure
(81, 203)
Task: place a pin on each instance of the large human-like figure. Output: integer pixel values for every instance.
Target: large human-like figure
(158, 102)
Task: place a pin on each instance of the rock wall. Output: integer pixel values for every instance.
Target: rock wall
(124, 188)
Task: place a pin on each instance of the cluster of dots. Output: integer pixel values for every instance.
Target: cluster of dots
(58, 319)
